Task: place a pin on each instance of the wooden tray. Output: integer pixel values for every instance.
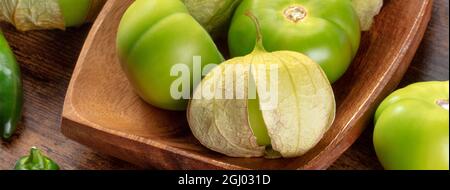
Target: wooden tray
(102, 112)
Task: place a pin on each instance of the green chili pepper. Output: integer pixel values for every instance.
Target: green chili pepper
(36, 161)
(10, 91)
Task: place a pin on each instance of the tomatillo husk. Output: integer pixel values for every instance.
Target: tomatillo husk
(48, 14)
(213, 15)
(367, 10)
(253, 126)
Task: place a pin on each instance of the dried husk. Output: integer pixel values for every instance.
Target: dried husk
(367, 10)
(32, 14)
(213, 15)
(305, 107)
(39, 14)
(222, 124)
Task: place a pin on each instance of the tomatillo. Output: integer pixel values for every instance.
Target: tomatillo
(157, 41)
(74, 12)
(327, 30)
(50, 14)
(411, 128)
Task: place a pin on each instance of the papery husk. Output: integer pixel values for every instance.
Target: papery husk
(222, 124)
(28, 15)
(32, 14)
(305, 108)
(367, 10)
(213, 15)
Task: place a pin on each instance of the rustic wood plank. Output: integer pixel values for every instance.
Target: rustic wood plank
(47, 59)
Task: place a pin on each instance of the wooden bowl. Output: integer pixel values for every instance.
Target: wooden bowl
(102, 111)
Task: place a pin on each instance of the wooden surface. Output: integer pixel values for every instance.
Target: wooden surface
(103, 112)
(47, 60)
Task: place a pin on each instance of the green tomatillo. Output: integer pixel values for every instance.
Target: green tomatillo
(158, 41)
(411, 128)
(77, 12)
(327, 30)
(48, 14)
(273, 104)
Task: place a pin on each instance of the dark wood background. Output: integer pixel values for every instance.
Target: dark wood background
(47, 59)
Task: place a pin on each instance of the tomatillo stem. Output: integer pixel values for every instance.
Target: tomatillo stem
(259, 37)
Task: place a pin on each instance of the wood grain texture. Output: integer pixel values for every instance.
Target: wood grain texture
(48, 57)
